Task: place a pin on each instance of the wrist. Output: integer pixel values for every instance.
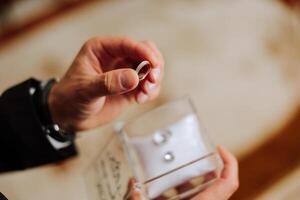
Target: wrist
(48, 125)
(55, 110)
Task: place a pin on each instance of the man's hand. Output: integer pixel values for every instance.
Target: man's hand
(101, 82)
(227, 184)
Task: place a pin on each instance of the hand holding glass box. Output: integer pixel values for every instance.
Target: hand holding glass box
(169, 153)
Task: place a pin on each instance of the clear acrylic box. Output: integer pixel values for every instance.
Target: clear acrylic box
(169, 153)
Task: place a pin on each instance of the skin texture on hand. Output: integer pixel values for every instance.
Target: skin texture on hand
(132, 192)
(101, 82)
(227, 184)
(221, 189)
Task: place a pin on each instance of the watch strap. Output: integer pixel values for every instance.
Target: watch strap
(51, 129)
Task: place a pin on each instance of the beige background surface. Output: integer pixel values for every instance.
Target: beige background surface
(287, 189)
(237, 59)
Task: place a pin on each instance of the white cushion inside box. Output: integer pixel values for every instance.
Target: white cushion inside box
(186, 144)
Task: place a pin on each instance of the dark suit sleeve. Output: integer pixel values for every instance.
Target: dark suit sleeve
(23, 142)
(2, 197)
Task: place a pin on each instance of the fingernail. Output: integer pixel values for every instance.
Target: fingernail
(156, 73)
(127, 82)
(137, 187)
(142, 98)
(150, 86)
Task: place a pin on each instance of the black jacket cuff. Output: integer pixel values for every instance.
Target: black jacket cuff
(23, 142)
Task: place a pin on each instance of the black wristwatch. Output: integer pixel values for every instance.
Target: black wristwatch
(49, 127)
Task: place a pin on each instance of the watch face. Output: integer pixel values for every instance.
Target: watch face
(56, 127)
(55, 132)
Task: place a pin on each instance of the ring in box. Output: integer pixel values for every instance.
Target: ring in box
(169, 153)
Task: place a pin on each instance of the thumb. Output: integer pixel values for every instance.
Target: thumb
(114, 82)
(133, 192)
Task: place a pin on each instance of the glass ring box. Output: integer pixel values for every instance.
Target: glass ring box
(168, 152)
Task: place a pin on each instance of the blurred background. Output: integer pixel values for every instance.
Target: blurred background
(239, 60)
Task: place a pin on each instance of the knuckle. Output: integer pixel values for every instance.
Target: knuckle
(152, 44)
(90, 42)
(126, 39)
(234, 162)
(231, 185)
(235, 185)
(125, 42)
(108, 82)
(145, 48)
(145, 45)
(86, 46)
(81, 93)
(147, 42)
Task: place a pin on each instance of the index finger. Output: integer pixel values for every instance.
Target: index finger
(157, 72)
(158, 54)
(230, 164)
(127, 47)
